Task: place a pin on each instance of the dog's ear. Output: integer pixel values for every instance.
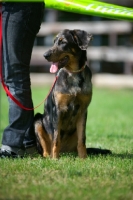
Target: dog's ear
(82, 38)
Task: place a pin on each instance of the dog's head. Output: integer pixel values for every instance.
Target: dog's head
(68, 50)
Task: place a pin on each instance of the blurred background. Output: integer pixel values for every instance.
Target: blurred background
(110, 54)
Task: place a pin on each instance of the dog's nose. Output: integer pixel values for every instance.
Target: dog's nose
(47, 54)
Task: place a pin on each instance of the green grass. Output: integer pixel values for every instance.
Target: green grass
(109, 125)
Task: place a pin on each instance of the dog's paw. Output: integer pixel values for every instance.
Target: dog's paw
(82, 153)
(46, 155)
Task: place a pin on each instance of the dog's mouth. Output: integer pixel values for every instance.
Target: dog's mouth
(55, 66)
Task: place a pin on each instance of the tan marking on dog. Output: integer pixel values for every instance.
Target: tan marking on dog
(81, 147)
(73, 62)
(84, 99)
(44, 138)
(56, 145)
(62, 100)
(73, 50)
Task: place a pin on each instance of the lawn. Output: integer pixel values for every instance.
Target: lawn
(109, 125)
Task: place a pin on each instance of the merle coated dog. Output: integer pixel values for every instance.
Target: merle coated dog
(62, 127)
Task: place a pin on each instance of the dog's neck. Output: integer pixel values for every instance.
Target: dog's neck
(78, 70)
(77, 64)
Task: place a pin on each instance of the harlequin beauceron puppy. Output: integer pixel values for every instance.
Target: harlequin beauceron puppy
(62, 126)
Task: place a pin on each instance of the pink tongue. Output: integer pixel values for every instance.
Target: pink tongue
(54, 68)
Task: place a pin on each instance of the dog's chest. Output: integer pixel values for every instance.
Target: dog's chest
(73, 84)
(72, 94)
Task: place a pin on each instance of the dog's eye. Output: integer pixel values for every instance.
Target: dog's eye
(62, 41)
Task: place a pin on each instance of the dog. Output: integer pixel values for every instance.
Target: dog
(62, 126)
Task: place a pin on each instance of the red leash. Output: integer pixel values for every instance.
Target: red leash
(1, 78)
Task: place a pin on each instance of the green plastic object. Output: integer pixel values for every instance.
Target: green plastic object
(90, 7)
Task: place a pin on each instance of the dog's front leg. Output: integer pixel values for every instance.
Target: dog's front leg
(56, 138)
(56, 144)
(81, 126)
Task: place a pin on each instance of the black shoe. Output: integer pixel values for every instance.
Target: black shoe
(8, 154)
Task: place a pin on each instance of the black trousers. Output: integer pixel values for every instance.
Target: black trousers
(20, 23)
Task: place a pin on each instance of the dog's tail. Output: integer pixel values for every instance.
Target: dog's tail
(98, 151)
(37, 117)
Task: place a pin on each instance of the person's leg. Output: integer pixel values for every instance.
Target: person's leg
(21, 22)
